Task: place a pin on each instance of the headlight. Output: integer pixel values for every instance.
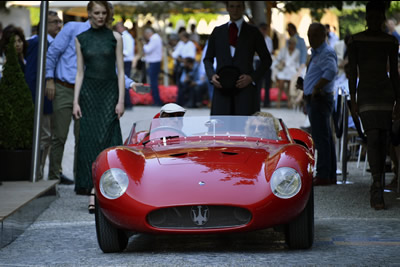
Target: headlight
(285, 182)
(113, 183)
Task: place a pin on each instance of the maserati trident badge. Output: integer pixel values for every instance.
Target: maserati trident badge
(200, 215)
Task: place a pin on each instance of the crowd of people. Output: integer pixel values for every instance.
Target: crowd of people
(90, 65)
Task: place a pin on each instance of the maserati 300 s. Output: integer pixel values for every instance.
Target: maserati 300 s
(217, 174)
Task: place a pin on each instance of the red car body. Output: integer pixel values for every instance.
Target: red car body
(201, 175)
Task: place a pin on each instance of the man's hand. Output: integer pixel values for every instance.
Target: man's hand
(50, 89)
(134, 84)
(243, 81)
(215, 81)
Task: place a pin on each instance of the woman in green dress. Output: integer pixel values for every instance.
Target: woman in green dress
(99, 93)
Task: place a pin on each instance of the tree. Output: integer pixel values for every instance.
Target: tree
(317, 7)
(258, 12)
(16, 105)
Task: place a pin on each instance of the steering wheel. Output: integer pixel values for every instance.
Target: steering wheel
(168, 128)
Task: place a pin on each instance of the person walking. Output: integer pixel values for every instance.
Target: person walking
(99, 92)
(61, 64)
(234, 45)
(318, 94)
(373, 59)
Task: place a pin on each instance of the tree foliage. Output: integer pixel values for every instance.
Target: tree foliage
(16, 105)
(351, 21)
(158, 8)
(317, 7)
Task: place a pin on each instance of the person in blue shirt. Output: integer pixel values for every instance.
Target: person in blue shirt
(60, 76)
(319, 95)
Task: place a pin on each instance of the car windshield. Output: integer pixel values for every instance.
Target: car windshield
(245, 126)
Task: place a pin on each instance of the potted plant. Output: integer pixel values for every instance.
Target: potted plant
(16, 120)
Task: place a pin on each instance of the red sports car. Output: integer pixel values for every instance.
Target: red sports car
(215, 174)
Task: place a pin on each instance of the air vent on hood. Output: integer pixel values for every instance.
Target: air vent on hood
(229, 153)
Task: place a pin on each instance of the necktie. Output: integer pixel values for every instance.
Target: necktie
(233, 32)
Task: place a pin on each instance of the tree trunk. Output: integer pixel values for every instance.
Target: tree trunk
(258, 12)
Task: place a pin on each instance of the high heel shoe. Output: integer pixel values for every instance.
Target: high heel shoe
(91, 206)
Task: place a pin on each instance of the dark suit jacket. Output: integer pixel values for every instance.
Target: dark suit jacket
(250, 41)
(31, 72)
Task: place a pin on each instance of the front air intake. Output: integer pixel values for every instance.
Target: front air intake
(199, 217)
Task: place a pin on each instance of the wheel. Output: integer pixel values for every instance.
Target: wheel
(167, 128)
(299, 233)
(110, 238)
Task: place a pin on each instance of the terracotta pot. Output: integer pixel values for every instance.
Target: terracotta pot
(15, 165)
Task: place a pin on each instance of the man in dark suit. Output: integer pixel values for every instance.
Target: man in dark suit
(234, 45)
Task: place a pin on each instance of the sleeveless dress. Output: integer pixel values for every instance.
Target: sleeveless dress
(99, 124)
(376, 93)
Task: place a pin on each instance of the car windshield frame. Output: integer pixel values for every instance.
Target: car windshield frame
(263, 128)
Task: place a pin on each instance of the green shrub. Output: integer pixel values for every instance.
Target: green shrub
(16, 105)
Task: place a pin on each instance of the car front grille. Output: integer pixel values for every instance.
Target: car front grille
(199, 217)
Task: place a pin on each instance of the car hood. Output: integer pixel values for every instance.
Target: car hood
(203, 174)
(195, 155)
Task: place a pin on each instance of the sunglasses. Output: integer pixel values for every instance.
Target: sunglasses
(171, 115)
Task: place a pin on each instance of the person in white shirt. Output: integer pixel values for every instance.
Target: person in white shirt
(128, 51)
(186, 49)
(285, 67)
(129, 47)
(153, 54)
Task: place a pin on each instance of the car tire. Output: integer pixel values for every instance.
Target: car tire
(299, 233)
(110, 238)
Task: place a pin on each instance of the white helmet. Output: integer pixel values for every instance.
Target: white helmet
(171, 108)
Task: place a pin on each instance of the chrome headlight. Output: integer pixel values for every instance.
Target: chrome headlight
(113, 183)
(285, 182)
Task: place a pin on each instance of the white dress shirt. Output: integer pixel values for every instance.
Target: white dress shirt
(153, 49)
(129, 46)
(184, 50)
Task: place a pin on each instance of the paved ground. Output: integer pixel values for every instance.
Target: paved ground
(347, 230)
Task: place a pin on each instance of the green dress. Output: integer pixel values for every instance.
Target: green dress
(99, 124)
